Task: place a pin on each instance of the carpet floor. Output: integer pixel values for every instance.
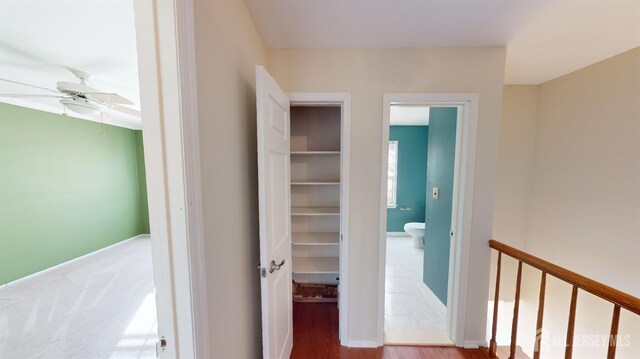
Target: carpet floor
(100, 306)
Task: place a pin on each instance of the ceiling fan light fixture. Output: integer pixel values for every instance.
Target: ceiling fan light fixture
(82, 106)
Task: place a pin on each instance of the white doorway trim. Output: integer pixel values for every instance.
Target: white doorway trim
(463, 184)
(344, 100)
(166, 58)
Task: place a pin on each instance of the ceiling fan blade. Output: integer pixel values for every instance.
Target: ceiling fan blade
(109, 98)
(126, 110)
(15, 95)
(34, 60)
(26, 55)
(28, 85)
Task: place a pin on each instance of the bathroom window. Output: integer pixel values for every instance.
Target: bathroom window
(392, 176)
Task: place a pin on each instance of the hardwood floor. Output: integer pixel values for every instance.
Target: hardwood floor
(315, 336)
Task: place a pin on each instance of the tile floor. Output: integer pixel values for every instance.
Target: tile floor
(413, 314)
(99, 306)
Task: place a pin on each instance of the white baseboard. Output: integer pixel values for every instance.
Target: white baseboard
(474, 344)
(398, 234)
(424, 289)
(71, 261)
(362, 344)
(417, 338)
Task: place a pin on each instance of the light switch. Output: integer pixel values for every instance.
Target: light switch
(436, 192)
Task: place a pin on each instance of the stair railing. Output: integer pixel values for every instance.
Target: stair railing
(620, 300)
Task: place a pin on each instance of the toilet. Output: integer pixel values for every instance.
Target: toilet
(416, 230)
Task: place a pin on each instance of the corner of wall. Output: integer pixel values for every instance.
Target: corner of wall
(142, 184)
(535, 89)
(516, 158)
(261, 40)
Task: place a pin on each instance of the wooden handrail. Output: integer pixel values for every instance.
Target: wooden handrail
(603, 291)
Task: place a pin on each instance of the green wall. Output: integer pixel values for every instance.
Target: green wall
(142, 185)
(66, 189)
(412, 175)
(440, 167)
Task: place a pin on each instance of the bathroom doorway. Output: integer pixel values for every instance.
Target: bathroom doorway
(427, 182)
(421, 161)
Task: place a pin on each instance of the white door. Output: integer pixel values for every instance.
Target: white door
(275, 216)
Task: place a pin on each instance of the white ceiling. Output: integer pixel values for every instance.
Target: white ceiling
(409, 116)
(544, 39)
(39, 38)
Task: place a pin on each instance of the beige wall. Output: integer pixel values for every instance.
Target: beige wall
(513, 186)
(586, 185)
(367, 74)
(515, 165)
(583, 202)
(228, 47)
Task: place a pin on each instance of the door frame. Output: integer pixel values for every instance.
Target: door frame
(165, 37)
(461, 217)
(344, 100)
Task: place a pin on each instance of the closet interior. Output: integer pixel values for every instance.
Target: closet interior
(315, 201)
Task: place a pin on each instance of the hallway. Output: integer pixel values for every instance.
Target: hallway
(315, 336)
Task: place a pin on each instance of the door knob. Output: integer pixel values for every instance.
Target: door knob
(274, 267)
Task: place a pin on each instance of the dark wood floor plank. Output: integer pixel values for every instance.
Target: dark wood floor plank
(315, 328)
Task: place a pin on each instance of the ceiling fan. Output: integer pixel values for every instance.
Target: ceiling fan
(79, 97)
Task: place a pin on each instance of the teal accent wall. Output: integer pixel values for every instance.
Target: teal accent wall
(412, 175)
(66, 189)
(440, 168)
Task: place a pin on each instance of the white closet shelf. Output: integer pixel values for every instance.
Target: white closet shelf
(308, 153)
(315, 211)
(316, 265)
(315, 183)
(315, 238)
